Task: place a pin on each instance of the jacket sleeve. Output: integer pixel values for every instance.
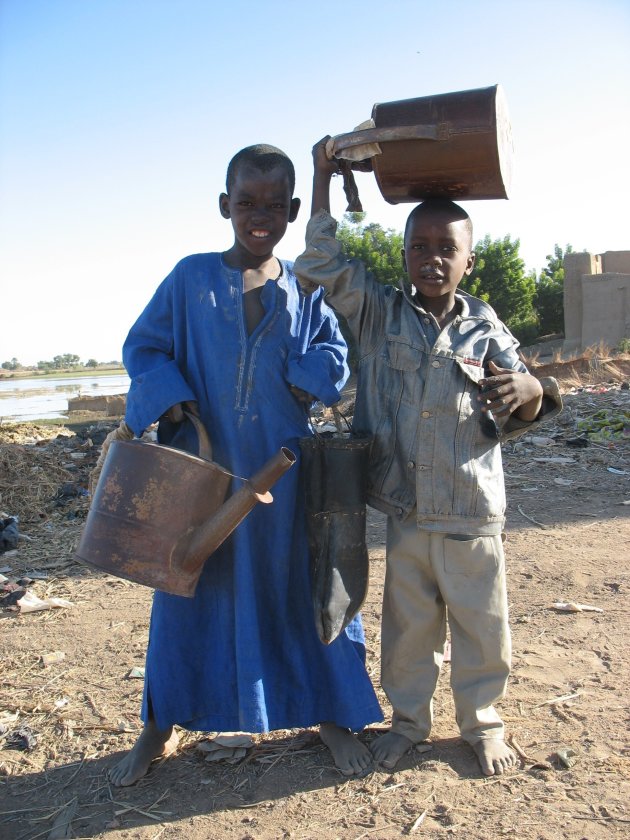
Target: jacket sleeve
(156, 380)
(320, 366)
(349, 288)
(503, 352)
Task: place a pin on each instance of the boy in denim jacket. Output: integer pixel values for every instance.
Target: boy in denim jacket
(440, 385)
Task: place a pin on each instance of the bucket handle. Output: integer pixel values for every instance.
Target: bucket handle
(205, 447)
(384, 135)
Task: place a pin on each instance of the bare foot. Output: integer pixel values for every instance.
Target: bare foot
(350, 756)
(390, 748)
(151, 744)
(494, 756)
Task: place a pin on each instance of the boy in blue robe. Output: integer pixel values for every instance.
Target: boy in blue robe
(232, 338)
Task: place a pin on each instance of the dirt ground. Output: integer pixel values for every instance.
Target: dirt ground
(566, 711)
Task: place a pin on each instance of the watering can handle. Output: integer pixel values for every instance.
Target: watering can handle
(205, 447)
(384, 135)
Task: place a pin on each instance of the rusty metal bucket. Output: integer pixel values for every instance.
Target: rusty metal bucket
(158, 513)
(452, 145)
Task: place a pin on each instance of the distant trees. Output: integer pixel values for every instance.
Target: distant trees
(549, 296)
(91, 363)
(12, 365)
(67, 360)
(500, 277)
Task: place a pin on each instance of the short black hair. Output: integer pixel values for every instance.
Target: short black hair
(262, 157)
(443, 207)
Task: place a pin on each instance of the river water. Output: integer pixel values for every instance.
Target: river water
(40, 398)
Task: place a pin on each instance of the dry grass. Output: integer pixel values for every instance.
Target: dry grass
(29, 480)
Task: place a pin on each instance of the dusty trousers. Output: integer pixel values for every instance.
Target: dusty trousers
(431, 575)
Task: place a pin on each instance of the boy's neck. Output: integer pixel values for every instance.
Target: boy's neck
(239, 258)
(443, 309)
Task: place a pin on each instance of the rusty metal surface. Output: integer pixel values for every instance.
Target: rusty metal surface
(470, 159)
(153, 503)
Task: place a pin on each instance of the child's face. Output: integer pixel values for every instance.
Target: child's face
(437, 254)
(260, 207)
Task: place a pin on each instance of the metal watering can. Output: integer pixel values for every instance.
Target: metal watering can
(158, 513)
(454, 145)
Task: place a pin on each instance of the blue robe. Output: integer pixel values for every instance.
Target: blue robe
(244, 654)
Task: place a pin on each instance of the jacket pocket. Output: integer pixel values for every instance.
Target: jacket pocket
(401, 371)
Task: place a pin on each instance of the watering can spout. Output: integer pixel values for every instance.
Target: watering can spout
(218, 527)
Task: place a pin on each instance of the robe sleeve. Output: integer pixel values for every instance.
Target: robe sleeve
(320, 365)
(148, 355)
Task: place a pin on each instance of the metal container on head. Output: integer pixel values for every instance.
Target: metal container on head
(454, 145)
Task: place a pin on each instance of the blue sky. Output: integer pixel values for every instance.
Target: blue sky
(118, 118)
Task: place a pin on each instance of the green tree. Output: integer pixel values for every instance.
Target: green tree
(91, 363)
(500, 277)
(12, 365)
(549, 296)
(67, 360)
(378, 248)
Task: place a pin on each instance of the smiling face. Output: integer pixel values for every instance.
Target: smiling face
(260, 207)
(437, 254)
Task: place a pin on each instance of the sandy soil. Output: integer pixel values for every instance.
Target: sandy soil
(566, 710)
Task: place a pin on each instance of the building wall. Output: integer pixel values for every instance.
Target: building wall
(596, 299)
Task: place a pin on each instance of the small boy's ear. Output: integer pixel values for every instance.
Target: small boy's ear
(224, 205)
(470, 263)
(404, 259)
(294, 209)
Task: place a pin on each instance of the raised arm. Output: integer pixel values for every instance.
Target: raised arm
(323, 170)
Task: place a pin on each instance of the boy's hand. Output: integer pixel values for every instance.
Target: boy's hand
(175, 414)
(322, 163)
(302, 396)
(510, 392)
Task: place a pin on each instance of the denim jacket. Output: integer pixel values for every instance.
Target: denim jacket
(434, 450)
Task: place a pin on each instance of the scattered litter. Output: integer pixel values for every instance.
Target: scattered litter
(565, 756)
(562, 699)
(136, 674)
(541, 441)
(229, 754)
(231, 747)
(9, 534)
(53, 658)
(615, 471)
(555, 459)
(606, 425)
(7, 717)
(62, 826)
(22, 738)
(531, 519)
(5, 569)
(63, 701)
(418, 822)
(563, 482)
(577, 443)
(571, 606)
(29, 602)
(238, 739)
